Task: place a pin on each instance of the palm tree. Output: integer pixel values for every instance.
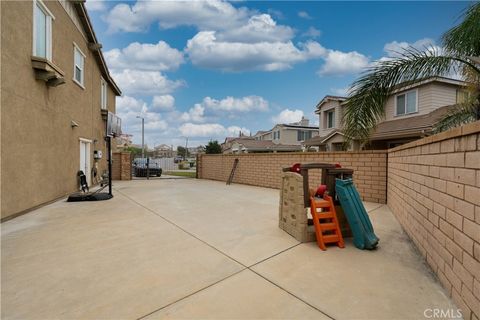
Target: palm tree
(460, 54)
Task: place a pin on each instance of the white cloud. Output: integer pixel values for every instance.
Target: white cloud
(234, 131)
(395, 48)
(163, 103)
(210, 130)
(145, 56)
(96, 5)
(206, 51)
(231, 104)
(340, 91)
(126, 104)
(145, 82)
(341, 63)
(312, 32)
(202, 130)
(205, 15)
(288, 116)
(259, 28)
(304, 15)
(195, 114)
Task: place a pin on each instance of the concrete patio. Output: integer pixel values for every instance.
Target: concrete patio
(185, 248)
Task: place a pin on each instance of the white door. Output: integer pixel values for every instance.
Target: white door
(85, 159)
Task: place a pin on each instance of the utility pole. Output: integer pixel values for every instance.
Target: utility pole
(143, 136)
(186, 148)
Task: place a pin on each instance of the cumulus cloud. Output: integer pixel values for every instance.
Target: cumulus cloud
(206, 51)
(210, 130)
(145, 56)
(395, 48)
(126, 104)
(205, 15)
(145, 82)
(231, 104)
(163, 103)
(288, 116)
(258, 28)
(304, 15)
(312, 32)
(96, 5)
(340, 91)
(195, 114)
(341, 63)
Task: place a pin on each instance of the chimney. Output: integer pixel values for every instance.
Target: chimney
(304, 122)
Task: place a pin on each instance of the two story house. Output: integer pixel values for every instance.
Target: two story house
(281, 138)
(411, 112)
(56, 92)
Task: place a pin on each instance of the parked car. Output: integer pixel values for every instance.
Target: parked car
(178, 159)
(140, 168)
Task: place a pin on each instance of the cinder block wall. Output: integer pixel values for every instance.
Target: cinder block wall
(264, 169)
(121, 166)
(434, 191)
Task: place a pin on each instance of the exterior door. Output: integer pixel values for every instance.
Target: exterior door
(85, 159)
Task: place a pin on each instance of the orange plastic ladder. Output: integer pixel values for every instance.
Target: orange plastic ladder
(325, 221)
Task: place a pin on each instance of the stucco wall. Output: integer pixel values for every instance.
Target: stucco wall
(264, 169)
(434, 191)
(40, 150)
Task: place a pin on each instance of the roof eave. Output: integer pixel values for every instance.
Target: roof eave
(92, 38)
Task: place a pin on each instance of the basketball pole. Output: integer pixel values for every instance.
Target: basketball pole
(109, 150)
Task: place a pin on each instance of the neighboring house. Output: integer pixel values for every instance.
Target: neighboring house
(282, 137)
(193, 151)
(229, 141)
(258, 146)
(124, 141)
(411, 112)
(56, 92)
(164, 151)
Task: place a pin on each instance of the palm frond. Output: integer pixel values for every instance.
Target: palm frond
(368, 95)
(462, 114)
(464, 39)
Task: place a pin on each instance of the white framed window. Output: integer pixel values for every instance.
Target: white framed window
(78, 66)
(330, 119)
(406, 103)
(303, 135)
(42, 30)
(103, 94)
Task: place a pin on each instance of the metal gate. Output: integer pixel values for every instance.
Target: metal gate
(152, 167)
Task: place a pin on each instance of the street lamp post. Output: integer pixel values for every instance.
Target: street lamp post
(186, 148)
(143, 136)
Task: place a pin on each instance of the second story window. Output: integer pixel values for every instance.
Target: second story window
(103, 94)
(303, 135)
(78, 66)
(406, 103)
(42, 31)
(331, 119)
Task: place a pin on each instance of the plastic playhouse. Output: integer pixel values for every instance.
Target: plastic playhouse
(335, 207)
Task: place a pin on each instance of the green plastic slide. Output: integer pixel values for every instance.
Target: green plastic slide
(362, 229)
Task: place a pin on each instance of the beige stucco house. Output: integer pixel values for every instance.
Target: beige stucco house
(281, 138)
(56, 92)
(411, 112)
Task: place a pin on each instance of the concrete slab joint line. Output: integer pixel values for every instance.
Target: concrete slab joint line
(150, 254)
(245, 267)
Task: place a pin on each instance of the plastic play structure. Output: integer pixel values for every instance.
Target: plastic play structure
(362, 229)
(335, 206)
(325, 221)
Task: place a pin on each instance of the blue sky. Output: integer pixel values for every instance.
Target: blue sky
(208, 69)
